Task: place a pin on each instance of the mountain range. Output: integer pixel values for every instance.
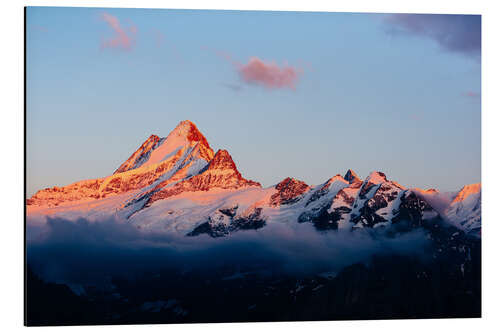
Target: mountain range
(179, 185)
(219, 247)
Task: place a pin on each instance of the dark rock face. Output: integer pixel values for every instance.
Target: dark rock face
(289, 191)
(412, 210)
(252, 221)
(321, 218)
(352, 177)
(225, 222)
(367, 215)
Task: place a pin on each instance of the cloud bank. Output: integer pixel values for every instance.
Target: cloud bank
(123, 39)
(90, 252)
(454, 33)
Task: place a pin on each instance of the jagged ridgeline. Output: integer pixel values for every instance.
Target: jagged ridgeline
(177, 184)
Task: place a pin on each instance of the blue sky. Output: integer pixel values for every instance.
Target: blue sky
(399, 94)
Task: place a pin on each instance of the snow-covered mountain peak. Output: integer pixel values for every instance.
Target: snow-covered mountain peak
(180, 175)
(289, 181)
(155, 150)
(220, 173)
(222, 161)
(288, 191)
(465, 209)
(351, 176)
(376, 177)
(337, 178)
(466, 192)
(425, 191)
(188, 130)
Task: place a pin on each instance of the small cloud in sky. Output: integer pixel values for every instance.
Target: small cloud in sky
(454, 33)
(471, 94)
(123, 38)
(264, 73)
(269, 75)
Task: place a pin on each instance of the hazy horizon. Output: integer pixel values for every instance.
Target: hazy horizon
(288, 94)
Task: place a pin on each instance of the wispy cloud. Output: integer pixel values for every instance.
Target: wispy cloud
(454, 33)
(123, 38)
(270, 74)
(264, 73)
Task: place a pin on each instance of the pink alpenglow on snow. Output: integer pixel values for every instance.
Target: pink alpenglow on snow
(123, 38)
(467, 191)
(269, 74)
